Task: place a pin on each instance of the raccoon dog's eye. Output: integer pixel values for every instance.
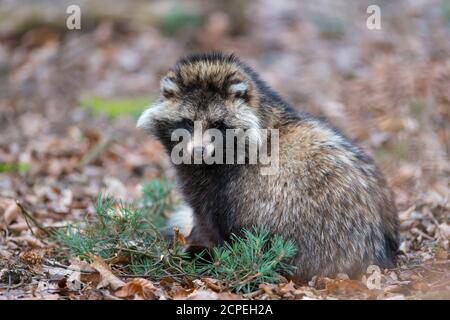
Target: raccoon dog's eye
(218, 125)
(188, 123)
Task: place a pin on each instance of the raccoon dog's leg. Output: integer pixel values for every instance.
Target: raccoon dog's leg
(203, 235)
(199, 233)
(182, 218)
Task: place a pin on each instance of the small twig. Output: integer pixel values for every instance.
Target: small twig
(95, 151)
(247, 279)
(254, 294)
(63, 266)
(423, 234)
(28, 215)
(439, 283)
(10, 286)
(136, 276)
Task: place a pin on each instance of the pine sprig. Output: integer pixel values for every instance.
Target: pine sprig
(127, 234)
(245, 262)
(128, 237)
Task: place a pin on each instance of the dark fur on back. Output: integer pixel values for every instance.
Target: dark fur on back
(327, 196)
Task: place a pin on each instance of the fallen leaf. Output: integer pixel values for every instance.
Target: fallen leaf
(11, 213)
(81, 266)
(441, 254)
(341, 287)
(138, 288)
(5, 254)
(268, 289)
(444, 228)
(396, 297)
(203, 295)
(29, 240)
(108, 278)
(180, 293)
(179, 238)
(50, 297)
(213, 284)
(4, 204)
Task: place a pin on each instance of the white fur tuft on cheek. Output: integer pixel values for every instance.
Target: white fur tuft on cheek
(254, 136)
(249, 122)
(153, 112)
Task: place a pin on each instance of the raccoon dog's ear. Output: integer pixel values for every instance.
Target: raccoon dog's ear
(168, 87)
(239, 90)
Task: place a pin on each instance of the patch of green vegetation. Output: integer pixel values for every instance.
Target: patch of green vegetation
(400, 150)
(156, 200)
(446, 10)
(127, 234)
(417, 107)
(121, 232)
(332, 28)
(247, 261)
(115, 107)
(14, 167)
(177, 19)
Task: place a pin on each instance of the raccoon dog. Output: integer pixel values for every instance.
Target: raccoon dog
(326, 195)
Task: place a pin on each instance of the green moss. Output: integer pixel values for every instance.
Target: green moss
(15, 167)
(177, 19)
(399, 150)
(446, 11)
(156, 198)
(115, 107)
(417, 108)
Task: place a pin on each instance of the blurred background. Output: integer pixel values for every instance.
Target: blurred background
(69, 98)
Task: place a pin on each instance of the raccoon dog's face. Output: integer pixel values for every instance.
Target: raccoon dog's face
(205, 96)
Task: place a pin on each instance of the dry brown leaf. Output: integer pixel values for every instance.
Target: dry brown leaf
(390, 124)
(108, 278)
(53, 296)
(203, 295)
(138, 288)
(441, 254)
(11, 213)
(28, 240)
(93, 279)
(180, 293)
(444, 229)
(210, 295)
(18, 226)
(229, 296)
(287, 288)
(81, 272)
(268, 289)
(4, 204)
(5, 254)
(81, 266)
(421, 286)
(213, 284)
(342, 287)
(179, 238)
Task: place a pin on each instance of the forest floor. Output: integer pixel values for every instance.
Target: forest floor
(65, 135)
